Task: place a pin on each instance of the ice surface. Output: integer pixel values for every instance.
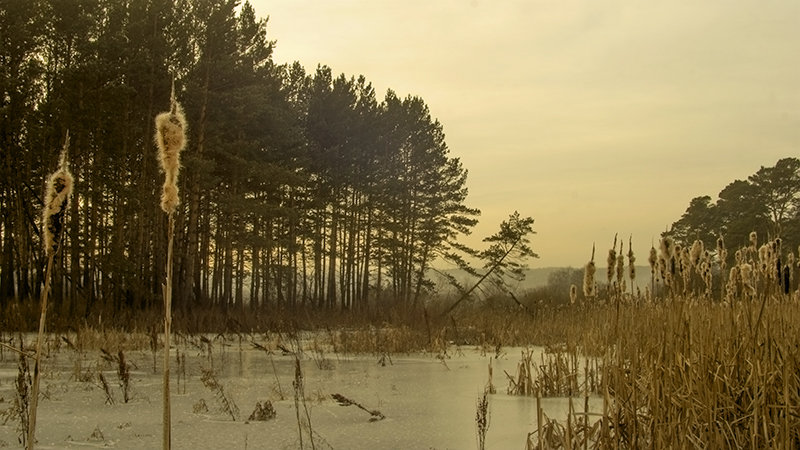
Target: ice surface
(428, 402)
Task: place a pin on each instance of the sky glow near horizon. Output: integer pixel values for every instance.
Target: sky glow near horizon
(592, 117)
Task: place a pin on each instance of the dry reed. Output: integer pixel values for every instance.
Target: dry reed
(226, 403)
(171, 139)
(56, 201)
(374, 414)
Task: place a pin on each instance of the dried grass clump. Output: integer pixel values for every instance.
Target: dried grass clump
(226, 404)
(482, 419)
(124, 375)
(87, 338)
(22, 399)
(576, 432)
(385, 340)
(263, 412)
(558, 373)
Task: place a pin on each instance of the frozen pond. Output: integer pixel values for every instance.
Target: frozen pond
(428, 401)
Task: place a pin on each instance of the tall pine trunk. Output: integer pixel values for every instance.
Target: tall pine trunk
(190, 285)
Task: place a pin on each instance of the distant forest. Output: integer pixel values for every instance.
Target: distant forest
(767, 202)
(297, 189)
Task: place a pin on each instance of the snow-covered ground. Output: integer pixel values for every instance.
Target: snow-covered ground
(428, 401)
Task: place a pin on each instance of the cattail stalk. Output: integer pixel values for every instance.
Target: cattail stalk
(171, 139)
(56, 201)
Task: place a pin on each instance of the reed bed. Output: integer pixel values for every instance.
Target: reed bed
(691, 373)
(559, 373)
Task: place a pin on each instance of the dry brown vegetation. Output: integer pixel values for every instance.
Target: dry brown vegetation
(687, 374)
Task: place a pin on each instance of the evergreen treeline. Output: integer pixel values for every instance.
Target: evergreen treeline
(297, 188)
(767, 202)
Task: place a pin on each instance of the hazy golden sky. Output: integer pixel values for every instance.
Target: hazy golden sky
(594, 117)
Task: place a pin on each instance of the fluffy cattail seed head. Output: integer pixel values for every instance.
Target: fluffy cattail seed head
(696, 252)
(652, 259)
(764, 256)
(631, 261)
(588, 280)
(667, 247)
(734, 281)
(746, 271)
(722, 253)
(682, 258)
(58, 191)
(611, 261)
(171, 139)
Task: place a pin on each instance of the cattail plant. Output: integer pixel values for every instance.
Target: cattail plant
(58, 191)
(752, 249)
(666, 261)
(171, 139)
(746, 272)
(611, 261)
(652, 259)
(631, 262)
(704, 269)
(588, 278)
(764, 259)
(732, 289)
(722, 253)
(777, 249)
(696, 253)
